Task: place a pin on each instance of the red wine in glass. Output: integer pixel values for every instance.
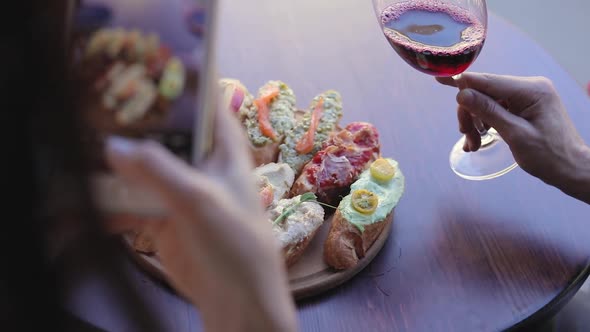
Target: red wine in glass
(436, 39)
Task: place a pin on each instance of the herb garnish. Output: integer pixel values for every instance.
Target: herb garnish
(307, 197)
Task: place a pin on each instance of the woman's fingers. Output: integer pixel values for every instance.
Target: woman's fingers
(488, 110)
(466, 126)
(231, 160)
(152, 167)
(465, 120)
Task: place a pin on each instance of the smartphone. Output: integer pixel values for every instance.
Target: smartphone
(143, 69)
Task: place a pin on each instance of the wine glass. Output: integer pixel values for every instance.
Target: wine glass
(443, 38)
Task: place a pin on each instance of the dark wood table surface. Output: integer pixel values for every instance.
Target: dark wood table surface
(462, 255)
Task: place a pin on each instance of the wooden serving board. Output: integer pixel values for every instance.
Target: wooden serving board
(308, 277)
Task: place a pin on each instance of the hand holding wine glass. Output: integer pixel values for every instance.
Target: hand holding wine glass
(535, 124)
(443, 38)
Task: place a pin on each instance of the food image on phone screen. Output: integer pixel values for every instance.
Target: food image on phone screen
(139, 66)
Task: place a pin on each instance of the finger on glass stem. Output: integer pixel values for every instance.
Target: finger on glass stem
(465, 120)
(466, 126)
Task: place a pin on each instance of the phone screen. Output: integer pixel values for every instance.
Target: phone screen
(142, 70)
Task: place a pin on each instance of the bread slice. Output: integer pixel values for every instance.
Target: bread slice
(353, 232)
(238, 100)
(294, 251)
(334, 168)
(296, 231)
(281, 116)
(346, 244)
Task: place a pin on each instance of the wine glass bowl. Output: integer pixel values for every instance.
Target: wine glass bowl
(443, 38)
(439, 38)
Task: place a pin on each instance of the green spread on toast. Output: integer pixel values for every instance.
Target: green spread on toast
(389, 193)
(332, 112)
(282, 114)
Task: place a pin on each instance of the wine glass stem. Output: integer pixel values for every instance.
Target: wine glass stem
(486, 137)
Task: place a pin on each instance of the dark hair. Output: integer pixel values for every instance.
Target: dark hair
(46, 159)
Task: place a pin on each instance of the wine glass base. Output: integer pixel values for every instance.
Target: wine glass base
(489, 162)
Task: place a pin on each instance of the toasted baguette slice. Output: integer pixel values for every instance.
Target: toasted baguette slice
(312, 130)
(277, 100)
(295, 232)
(294, 251)
(346, 244)
(334, 168)
(237, 99)
(352, 233)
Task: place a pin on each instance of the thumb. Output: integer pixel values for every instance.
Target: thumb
(487, 109)
(155, 169)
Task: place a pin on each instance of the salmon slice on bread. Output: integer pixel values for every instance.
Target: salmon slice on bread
(266, 122)
(344, 157)
(363, 214)
(312, 131)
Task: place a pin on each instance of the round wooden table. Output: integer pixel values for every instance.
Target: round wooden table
(462, 255)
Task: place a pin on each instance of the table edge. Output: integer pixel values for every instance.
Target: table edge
(559, 301)
(555, 305)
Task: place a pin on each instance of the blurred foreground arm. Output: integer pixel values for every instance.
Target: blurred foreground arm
(217, 246)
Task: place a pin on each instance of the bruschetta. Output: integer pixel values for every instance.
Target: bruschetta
(271, 116)
(295, 222)
(334, 168)
(363, 214)
(312, 131)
